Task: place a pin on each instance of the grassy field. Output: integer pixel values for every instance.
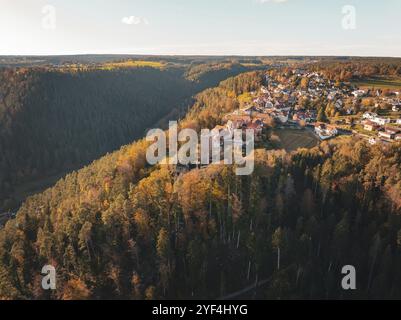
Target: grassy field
(379, 83)
(112, 66)
(293, 139)
(133, 64)
(249, 64)
(360, 129)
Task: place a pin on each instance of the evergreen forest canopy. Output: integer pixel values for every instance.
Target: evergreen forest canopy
(120, 228)
(57, 118)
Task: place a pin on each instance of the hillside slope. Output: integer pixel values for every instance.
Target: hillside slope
(120, 228)
(53, 120)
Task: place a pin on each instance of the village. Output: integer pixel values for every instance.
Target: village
(305, 100)
(384, 130)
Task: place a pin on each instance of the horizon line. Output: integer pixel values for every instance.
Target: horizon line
(197, 55)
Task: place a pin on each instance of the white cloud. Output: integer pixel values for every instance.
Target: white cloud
(133, 20)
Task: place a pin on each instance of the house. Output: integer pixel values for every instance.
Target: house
(372, 141)
(397, 136)
(339, 104)
(263, 117)
(392, 130)
(249, 110)
(359, 93)
(398, 121)
(349, 111)
(386, 135)
(325, 131)
(269, 105)
(349, 121)
(370, 125)
(282, 116)
(332, 130)
(396, 108)
(369, 115)
(303, 115)
(331, 95)
(390, 133)
(381, 121)
(238, 117)
(299, 116)
(282, 107)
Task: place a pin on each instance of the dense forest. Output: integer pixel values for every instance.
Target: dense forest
(358, 68)
(53, 120)
(217, 70)
(120, 228)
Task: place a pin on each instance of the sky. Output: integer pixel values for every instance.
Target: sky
(201, 27)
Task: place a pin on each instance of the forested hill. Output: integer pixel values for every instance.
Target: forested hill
(55, 119)
(120, 228)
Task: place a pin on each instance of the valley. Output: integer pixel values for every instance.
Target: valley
(84, 111)
(321, 196)
(169, 154)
